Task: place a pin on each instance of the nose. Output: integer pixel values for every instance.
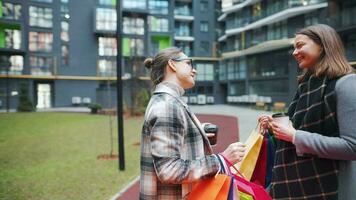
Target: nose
(295, 52)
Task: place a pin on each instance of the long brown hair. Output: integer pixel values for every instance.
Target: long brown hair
(332, 62)
(159, 62)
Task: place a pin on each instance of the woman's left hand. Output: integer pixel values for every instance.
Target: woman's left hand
(283, 132)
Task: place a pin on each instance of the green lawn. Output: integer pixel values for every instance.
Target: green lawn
(54, 156)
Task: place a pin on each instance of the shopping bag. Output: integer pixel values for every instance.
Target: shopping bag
(253, 147)
(259, 174)
(271, 150)
(244, 196)
(245, 186)
(214, 188)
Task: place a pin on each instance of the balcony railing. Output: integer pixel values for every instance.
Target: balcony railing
(269, 10)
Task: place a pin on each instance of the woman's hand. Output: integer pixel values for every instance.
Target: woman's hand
(283, 132)
(265, 121)
(235, 152)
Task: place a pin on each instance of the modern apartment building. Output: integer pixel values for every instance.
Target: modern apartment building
(256, 44)
(64, 51)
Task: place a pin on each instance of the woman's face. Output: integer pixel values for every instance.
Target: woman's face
(185, 71)
(306, 51)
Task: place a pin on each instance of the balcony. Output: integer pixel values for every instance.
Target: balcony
(230, 7)
(274, 13)
(183, 13)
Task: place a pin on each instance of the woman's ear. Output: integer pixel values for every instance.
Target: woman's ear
(172, 66)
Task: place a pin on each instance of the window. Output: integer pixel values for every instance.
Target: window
(277, 31)
(205, 72)
(186, 47)
(11, 38)
(158, 24)
(182, 29)
(106, 67)
(14, 64)
(237, 43)
(230, 70)
(158, 6)
(10, 10)
(64, 31)
(133, 26)
(65, 54)
(107, 46)
(133, 47)
(204, 6)
(134, 4)
(41, 65)
(204, 26)
(256, 11)
(40, 41)
(182, 9)
(269, 87)
(107, 2)
(204, 47)
(40, 16)
(44, 1)
(236, 89)
(105, 19)
(222, 71)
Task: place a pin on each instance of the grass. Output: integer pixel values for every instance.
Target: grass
(54, 156)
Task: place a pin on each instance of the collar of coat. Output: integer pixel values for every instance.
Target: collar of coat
(170, 88)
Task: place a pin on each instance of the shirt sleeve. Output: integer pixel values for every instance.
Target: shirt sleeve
(167, 138)
(338, 148)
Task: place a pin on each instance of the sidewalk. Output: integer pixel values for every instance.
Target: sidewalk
(235, 124)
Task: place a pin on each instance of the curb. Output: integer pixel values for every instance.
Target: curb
(117, 195)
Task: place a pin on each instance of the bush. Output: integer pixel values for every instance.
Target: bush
(25, 104)
(141, 101)
(94, 107)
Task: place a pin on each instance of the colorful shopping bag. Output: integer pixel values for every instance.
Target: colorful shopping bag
(245, 186)
(271, 150)
(253, 146)
(259, 174)
(214, 188)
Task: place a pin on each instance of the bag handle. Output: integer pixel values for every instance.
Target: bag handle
(231, 165)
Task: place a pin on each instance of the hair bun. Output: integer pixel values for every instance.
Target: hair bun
(148, 63)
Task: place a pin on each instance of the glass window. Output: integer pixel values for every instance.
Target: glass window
(40, 16)
(106, 67)
(44, 1)
(268, 87)
(107, 46)
(182, 9)
(40, 41)
(230, 70)
(133, 26)
(14, 64)
(106, 19)
(10, 10)
(182, 29)
(186, 47)
(158, 6)
(107, 2)
(205, 72)
(134, 4)
(158, 24)
(41, 65)
(11, 38)
(132, 46)
(204, 26)
(236, 89)
(222, 71)
(65, 54)
(64, 32)
(204, 6)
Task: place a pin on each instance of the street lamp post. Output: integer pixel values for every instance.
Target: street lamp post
(120, 125)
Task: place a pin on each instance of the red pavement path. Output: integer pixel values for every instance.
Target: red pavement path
(228, 133)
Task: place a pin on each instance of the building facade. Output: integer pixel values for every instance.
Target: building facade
(256, 43)
(64, 51)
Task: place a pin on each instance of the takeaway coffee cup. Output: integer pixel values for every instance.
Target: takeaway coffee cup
(211, 131)
(281, 118)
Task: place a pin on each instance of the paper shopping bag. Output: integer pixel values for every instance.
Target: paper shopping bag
(214, 188)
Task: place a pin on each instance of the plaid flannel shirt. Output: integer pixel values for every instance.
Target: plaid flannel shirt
(174, 148)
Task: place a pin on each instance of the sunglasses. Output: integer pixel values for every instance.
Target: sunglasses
(190, 61)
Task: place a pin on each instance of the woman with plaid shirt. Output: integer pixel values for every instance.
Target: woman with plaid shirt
(175, 151)
(315, 152)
